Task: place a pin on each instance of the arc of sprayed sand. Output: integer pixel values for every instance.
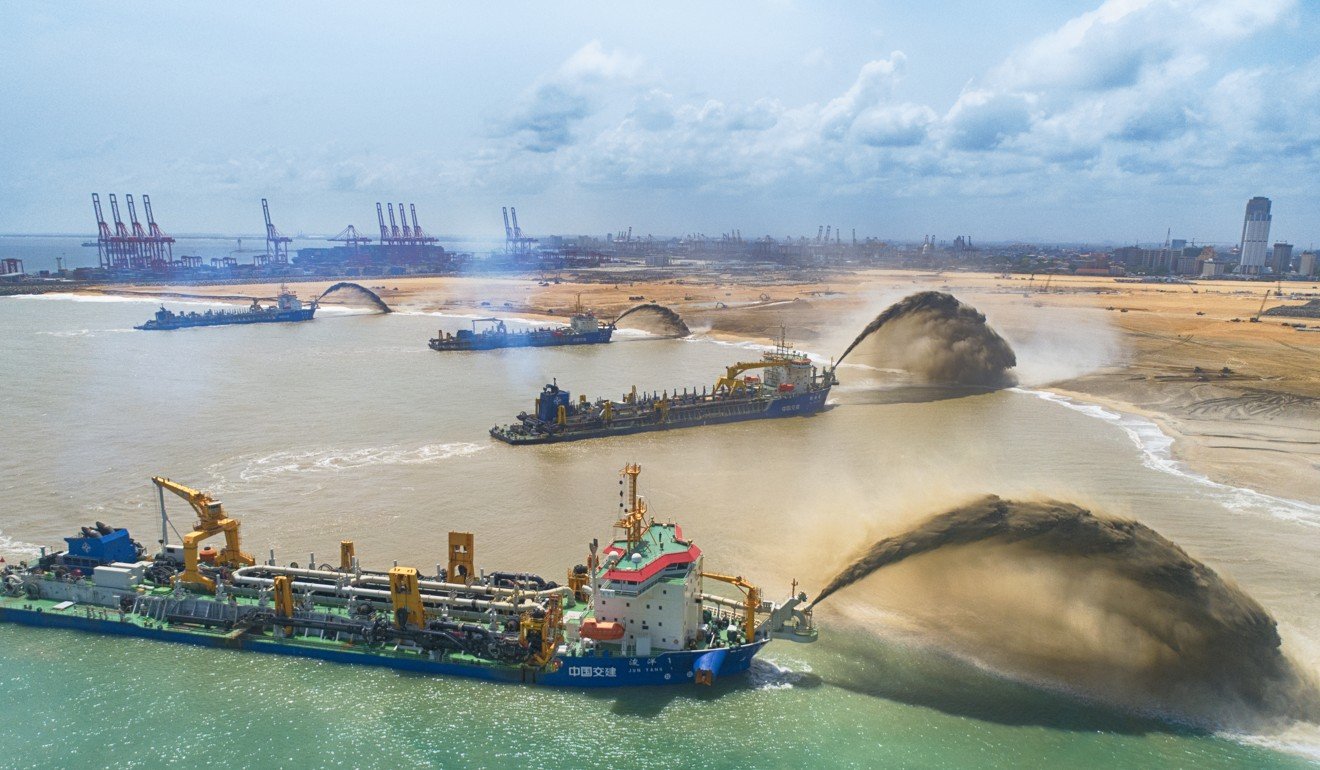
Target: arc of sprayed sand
(1221, 636)
(925, 300)
(666, 314)
(371, 295)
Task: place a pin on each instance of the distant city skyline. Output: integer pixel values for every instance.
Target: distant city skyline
(1061, 121)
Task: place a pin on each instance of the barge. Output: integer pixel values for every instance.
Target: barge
(636, 613)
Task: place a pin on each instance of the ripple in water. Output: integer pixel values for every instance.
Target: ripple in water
(338, 459)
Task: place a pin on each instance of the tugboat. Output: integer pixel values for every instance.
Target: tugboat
(287, 309)
(491, 333)
(638, 612)
(791, 386)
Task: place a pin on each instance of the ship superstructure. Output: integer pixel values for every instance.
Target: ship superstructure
(637, 613)
(287, 308)
(492, 333)
(786, 384)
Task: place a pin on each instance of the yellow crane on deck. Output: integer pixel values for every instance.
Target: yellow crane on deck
(730, 381)
(751, 604)
(211, 521)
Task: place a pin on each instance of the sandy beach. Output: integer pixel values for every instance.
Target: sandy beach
(1241, 399)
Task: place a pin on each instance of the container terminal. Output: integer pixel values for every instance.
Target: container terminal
(637, 612)
(790, 386)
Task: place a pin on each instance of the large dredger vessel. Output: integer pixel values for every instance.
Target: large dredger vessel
(636, 613)
(789, 386)
(492, 333)
(287, 309)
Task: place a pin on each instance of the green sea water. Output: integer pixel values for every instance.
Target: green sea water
(349, 428)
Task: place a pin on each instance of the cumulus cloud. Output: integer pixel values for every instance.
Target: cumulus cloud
(983, 120)
(555, 106)
(1132, 88)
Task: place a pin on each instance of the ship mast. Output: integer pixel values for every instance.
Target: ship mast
(634, 508)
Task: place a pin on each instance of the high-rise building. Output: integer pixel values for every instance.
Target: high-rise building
(1306, 264)
(1281, 258)
(1255, 235)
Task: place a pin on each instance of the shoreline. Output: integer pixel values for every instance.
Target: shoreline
(1176, 462)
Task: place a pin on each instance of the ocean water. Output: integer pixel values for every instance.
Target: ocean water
(350, 428)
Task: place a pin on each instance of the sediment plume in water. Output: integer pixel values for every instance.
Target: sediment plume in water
(358, 291)
(1105, 606)
(941, 340)
(656, 319)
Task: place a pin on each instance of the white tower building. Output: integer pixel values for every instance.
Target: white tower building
(1255, 235)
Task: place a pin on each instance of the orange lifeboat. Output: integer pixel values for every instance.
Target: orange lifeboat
(602, 631)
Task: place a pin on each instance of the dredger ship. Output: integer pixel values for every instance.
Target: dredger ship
(790, 386)
(636, 613)
(492, 333)
(287, 309)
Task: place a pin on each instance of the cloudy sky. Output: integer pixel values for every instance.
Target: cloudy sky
(1032, 119)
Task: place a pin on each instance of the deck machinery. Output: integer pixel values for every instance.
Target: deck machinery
(637, 613)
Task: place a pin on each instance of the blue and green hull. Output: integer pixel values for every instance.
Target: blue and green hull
(599, 670)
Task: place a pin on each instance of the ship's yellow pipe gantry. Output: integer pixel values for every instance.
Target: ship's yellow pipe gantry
(731, 383)
(751, 603)
(211, 521)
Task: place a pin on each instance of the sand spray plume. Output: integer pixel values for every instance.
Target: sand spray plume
(658, 319)
(361, 292)
(938, 338)
(1106, 606)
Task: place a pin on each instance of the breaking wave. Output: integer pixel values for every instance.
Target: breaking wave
(1157, 454)
(18, 548)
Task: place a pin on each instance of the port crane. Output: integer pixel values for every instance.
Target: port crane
(211, 521)
(277, 244)
(406, 230)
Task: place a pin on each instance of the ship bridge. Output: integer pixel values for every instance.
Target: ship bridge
(649, 586)
(661, 553)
